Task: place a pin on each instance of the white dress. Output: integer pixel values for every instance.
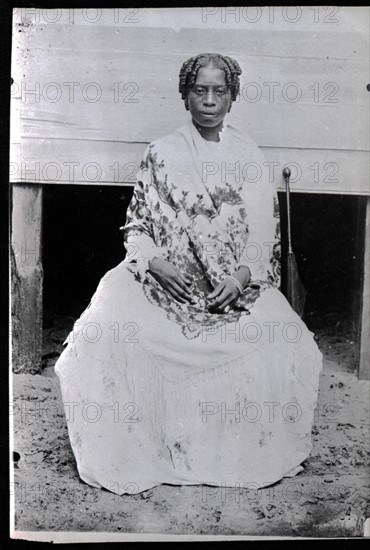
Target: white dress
(161, 392)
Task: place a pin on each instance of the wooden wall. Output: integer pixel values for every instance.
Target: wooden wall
(132, 58)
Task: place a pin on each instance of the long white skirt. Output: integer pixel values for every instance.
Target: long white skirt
(145, 405)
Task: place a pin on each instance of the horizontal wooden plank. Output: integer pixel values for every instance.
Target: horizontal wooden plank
(160, 63)
(116, 163)
(318, 40)
(158, 77)
(287, 125)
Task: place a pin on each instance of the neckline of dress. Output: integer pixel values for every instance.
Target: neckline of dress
(209, 143)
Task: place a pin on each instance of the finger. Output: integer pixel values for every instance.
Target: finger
(176, 295)
(184, 295)
(185, 292)
(226, 305)
(221, 308)
(185, 278)
(221, 301)
(173, 291)
(223, 295)
(216, 291)
(182, 283)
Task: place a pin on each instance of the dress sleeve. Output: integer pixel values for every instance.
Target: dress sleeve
(139, 239)
(261, 252)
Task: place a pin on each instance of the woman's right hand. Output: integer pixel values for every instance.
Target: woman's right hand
(170, 277)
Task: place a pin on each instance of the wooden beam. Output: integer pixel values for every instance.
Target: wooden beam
(78, 161)
(27, 277)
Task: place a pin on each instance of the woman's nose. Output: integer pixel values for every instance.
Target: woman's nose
(209, 99)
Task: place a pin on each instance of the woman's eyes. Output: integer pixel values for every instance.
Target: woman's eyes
(203, 91)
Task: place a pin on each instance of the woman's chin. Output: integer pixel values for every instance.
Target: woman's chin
(208, 123)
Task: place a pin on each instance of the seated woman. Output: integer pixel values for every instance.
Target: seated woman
(189, 366)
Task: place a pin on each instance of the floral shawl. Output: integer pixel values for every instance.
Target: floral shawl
(207, 208)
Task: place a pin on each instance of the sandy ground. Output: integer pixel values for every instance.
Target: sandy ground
(329, 498)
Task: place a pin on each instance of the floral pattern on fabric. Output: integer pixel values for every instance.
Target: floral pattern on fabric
(201, 227)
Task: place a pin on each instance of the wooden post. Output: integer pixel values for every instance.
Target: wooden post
(27, 277)
(364, 365)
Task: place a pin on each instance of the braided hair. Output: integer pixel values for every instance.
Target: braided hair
(190, 68)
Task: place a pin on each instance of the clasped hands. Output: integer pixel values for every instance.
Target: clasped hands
(178, 284)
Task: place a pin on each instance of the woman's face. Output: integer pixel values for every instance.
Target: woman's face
(209, 100)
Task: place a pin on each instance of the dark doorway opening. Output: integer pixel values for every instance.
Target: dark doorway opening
(82, 240)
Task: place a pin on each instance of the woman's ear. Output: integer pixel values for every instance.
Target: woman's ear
(229, 109)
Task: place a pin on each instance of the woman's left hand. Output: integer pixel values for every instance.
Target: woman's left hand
(223, 295)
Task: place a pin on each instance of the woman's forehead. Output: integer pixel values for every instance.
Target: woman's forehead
(210, 75)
